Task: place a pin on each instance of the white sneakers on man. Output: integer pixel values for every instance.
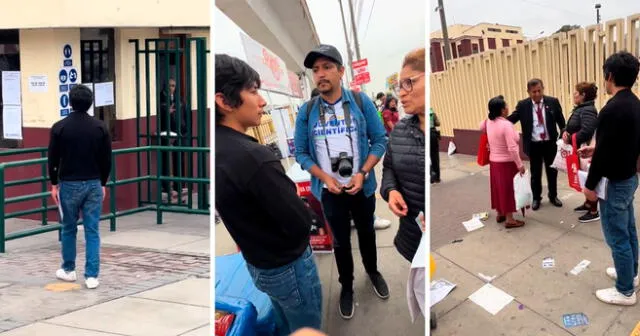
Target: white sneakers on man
(66, 276)
(92, 283)
(378, 223)
(613, 296)
(63, 275)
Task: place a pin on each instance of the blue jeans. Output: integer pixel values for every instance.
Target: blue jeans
(619, 228)
(85, 197)
(295, 292)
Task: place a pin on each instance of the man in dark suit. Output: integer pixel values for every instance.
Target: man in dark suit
(542, 122)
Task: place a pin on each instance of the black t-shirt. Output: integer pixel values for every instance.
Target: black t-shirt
(257, 202)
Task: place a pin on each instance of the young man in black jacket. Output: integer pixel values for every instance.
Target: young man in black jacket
(540, 117)
(615, 157)
(79, 166)
(259, 204)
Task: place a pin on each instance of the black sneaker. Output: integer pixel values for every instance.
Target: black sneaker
(379, 285)
(346, 304)
(582, 208)
(589, 217)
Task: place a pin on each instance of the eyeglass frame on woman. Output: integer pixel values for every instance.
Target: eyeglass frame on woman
(409, 83)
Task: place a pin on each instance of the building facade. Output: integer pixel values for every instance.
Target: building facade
(467, 40)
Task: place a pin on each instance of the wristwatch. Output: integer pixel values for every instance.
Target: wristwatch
(364, 173)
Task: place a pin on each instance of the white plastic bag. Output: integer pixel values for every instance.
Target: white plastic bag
(564, 150)
(522, 190)
(452, 148)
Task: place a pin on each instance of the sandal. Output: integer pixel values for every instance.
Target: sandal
(501, 219)
(515, 224)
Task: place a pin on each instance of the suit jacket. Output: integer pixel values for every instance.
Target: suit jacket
(554, 118)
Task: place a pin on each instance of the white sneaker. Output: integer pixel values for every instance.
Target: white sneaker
(381, 224)
(92, 283)
(66, 276)
(611, 272)
(612, 296)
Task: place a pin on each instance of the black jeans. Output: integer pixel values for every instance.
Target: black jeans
(543, 152)
(336, 209)
(435, 156)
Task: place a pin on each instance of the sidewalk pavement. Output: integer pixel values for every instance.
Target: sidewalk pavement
(372, 315)
(514, 257)
(154, 280)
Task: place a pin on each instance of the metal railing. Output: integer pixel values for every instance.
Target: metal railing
(112, 214)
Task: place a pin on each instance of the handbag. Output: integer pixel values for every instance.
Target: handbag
(573, 166)
(483, 150)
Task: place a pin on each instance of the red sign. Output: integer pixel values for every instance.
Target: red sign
(294, 85)
(360, 64)
(321, 240)
(355, 87)
(362, 78)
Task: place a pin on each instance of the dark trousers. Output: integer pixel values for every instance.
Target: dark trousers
(336, 210)
(543, 152)
(171, 158)
(435, 156)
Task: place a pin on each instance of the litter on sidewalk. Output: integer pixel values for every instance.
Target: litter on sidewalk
(490, 298)
(473, 224)
(580, 267)
(548, 262)
(483, 216)
(440, 289)
(636, 330)
(574, 320)
(486, 278)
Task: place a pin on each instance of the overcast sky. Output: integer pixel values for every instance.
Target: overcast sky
(388, 29)
(533, 16)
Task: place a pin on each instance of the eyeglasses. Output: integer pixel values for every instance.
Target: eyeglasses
(407, 83)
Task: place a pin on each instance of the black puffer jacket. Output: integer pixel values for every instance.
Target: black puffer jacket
(584, 121)
(404, 171)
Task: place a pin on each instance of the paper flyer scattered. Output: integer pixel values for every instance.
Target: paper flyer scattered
(548, 262)
(580, 267)
(473, 224)
(440, 289)
(481, 216)
(574, 320)
(486, 277)
(491, 298)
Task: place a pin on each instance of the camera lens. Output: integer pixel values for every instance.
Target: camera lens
(345, 167)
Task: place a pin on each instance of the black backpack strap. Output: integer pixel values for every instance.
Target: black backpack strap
(310, 104)
(358, 99)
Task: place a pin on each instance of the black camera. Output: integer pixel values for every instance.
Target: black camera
(343, 164)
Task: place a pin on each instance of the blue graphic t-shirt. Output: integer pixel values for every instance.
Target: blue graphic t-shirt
(335, 131)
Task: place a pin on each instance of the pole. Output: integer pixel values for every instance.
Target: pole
(346, 38)
(445, 33)
(355, 31)
(598, 6)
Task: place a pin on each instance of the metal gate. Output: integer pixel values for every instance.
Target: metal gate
(183, 60)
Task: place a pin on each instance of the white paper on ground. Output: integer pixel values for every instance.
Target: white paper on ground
(440, 289)
(420, 258)
(601, 188)
(491, 298)
(548, 262)
(473, 224)
(486, 277)
(415, 292)
(580, 267)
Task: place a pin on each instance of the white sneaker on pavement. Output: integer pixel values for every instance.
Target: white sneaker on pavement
(92, 283)
(381, 224)
(612, 296)
(611, 272)
(66, 276)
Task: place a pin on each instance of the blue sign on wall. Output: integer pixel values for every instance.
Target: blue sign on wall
(73, 75)
(64, 112)
(67, 51)
(64, 100)
(67, 63)
(64, 88)
(63, 76)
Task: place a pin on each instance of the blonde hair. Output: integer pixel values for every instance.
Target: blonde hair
(415, 59)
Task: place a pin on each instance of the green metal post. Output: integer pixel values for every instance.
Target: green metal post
(178, 117)
(2, 233)
(112, 194)
(136, 44)
(159, 190)
(189, 135)
(202, 108)
(147, 71)
(43, 171)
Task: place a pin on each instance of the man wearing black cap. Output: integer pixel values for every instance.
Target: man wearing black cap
(340, 143)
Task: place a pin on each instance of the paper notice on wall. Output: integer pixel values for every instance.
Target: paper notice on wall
(103, 94)
(90, 86)
(11, 88)
(12, 122)
(38, 83)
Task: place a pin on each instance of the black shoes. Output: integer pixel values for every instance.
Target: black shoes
(346, 303)
(379, 285)
(589, 217)
(582, 208)
(535, 205)
(556, 202)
